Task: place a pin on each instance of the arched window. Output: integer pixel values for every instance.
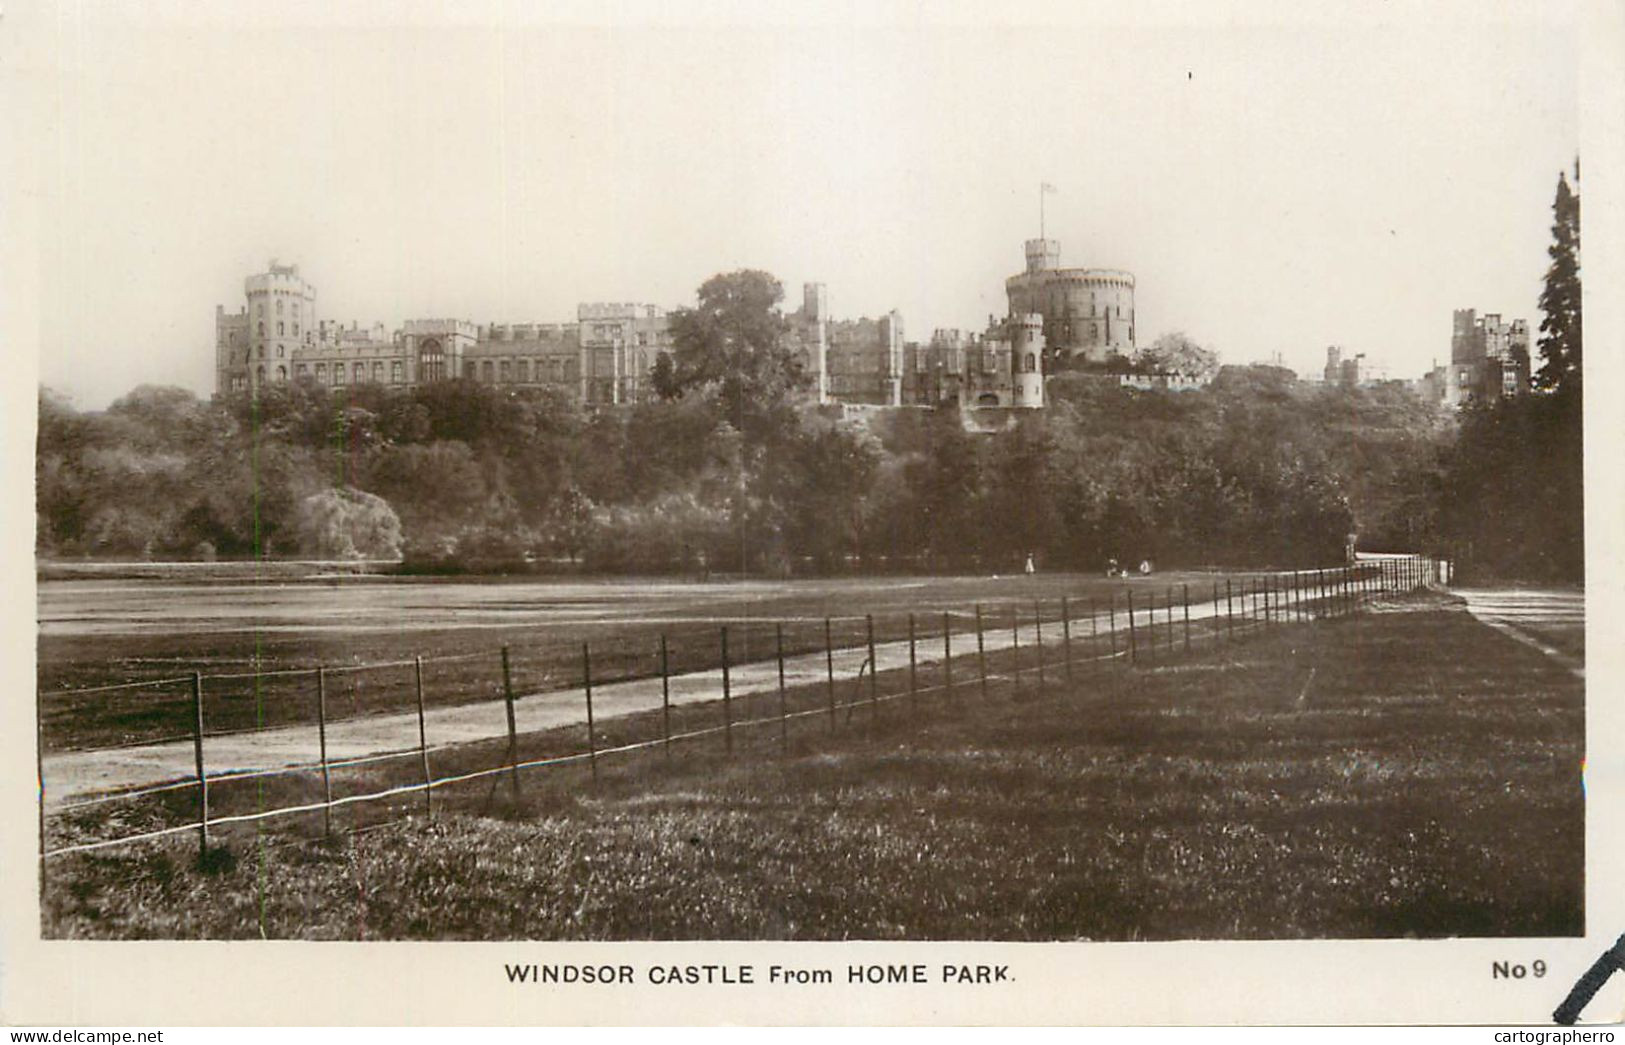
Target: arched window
(282, 374)
(338, 373)
(395, 372)
(378, 372)
(507, 371)
(360, 373)
(280, 328)
(321, 371)
(279, 351)
(431, 361)
(1032, 363)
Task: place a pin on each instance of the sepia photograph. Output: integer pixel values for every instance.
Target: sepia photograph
(701, 480)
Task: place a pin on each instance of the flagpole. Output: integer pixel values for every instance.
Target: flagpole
(1040, 210)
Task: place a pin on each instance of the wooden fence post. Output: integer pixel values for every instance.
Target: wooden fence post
(913, 668)
(665, 696)
(592, 733)
(1185, 592)
(1133, 641)
(1015, 649)
(1094, 629)
(1038, 639)
(1229, 612)
(423, 739)
(321, 736)
(727, 700)
(1111, 621)
(874, 665)
(197, 754)
(829, 667)
(513, 730)
(981, 651)
(1170, 605)
(784, 711)
(1066, 637)
(947, 656)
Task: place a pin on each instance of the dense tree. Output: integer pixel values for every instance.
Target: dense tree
(1177, 353)
(1560, 327)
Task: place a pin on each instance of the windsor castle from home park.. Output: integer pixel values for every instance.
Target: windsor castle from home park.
(1058, 319)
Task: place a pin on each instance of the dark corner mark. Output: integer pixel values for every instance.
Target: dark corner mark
(1586, 987)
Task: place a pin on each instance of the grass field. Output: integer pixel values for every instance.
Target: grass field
(1396, 774)
(98, 632)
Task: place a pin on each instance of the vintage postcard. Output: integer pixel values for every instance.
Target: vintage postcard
(878, 514)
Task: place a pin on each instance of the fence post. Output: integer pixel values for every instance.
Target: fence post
(321, 738)
(1015, 649)
(423, 739)
(874, 665)
(1094, 629)
(727, 700)
(1111, 621)
(784, 713)
(1150, 626)
(913, 668)
(1170, 605)
(981, 651)
(829, 667)
(592, 735)
(947, 656)
(1038, 639)
(1066, 637)
(1185, 591)
(665, 696)
(197, 754)
(1133, 641)
(1229, 612)
(513, 731)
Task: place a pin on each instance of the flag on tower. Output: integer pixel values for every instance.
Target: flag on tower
(1046, 187)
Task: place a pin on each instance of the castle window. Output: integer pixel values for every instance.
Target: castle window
(469, 370)
(279, 328)
(395, 372)
(296, 329)
(279, 351)
(360, 373)
(279, 306)
(262, 328)
(261, 373)
(487, 371)
(321, 371)
(507, 370)
(1032, 362)
(378, 372)
(338, 373)
(524, 371)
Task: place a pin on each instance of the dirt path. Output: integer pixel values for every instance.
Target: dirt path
(1551, 620)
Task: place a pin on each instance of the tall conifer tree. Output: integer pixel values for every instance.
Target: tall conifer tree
(1560, 300)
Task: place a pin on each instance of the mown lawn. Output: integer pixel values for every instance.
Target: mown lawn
(1397, 774)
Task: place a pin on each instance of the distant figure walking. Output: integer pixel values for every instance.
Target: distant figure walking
(1145, 567)
(1112, 569)
(1029, 562)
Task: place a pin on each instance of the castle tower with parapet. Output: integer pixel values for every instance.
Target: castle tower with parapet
(1027, 360)
(1088, 312)
(280, 320)
(815, 336)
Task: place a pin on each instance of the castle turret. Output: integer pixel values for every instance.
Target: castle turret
(1027, 359)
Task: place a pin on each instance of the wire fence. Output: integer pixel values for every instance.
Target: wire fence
(228, 750)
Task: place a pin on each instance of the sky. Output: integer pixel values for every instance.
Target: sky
(1276, 186)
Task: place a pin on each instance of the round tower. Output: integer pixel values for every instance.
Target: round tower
(1027, 360)
(281, 320)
